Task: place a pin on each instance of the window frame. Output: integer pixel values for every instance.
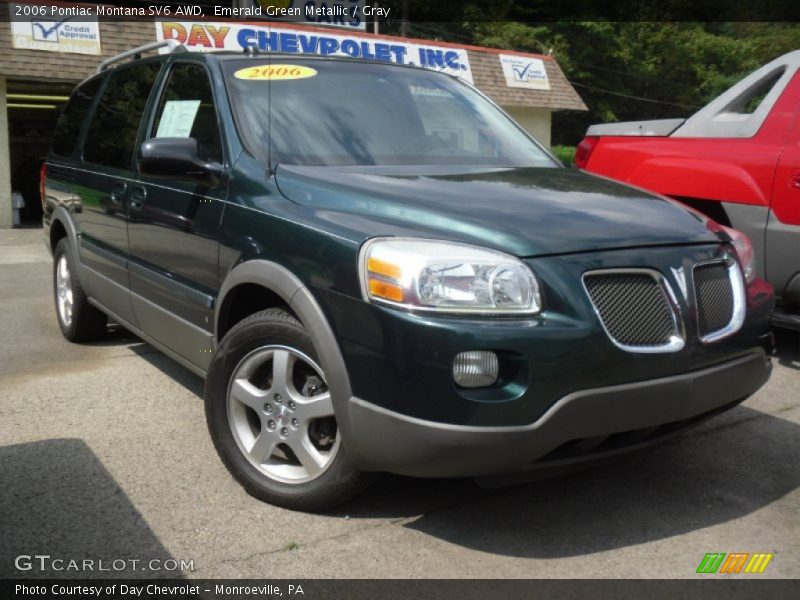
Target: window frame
(109, 74)
(77, 144)
(161, 90)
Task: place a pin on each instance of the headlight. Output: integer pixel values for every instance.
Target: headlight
(741, 244)
(744, 251)
(429, 275)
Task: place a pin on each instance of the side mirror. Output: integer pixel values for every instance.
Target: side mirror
(177, 158)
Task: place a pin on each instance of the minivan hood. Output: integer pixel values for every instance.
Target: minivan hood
(523, 211)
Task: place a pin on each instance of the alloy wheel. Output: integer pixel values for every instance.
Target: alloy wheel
(281, 414)
(64, 291)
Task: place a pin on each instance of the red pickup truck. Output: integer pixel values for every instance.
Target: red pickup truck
(737, 160)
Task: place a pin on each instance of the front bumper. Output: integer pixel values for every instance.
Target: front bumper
(402, 361)
(581, 425)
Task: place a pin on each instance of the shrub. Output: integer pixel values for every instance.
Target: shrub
(565, 154)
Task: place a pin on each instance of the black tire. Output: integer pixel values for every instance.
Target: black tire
(87, 323)
(339, 482)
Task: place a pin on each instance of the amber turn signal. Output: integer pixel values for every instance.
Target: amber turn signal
(383, 289)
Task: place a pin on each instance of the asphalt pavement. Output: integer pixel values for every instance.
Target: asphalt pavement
(104, 455)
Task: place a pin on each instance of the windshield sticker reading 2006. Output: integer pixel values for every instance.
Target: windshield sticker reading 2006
(271, 72)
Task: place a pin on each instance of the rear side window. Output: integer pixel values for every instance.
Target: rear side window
(70, 121)
(112, 134)
(186, 109)
(749, 101)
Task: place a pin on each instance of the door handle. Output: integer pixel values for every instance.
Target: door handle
(118, 193)
(138, 196)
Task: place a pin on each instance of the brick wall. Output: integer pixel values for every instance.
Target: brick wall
(115, 37)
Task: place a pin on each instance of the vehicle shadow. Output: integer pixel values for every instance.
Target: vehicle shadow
(59, 500)
(788, 348)
(723, 470)
(117, 335)
(729, 467)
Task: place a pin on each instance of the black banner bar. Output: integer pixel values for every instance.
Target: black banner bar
(716, 587)
(418, 11)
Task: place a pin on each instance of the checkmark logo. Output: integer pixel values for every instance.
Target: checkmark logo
(521, 74)
(46, 31)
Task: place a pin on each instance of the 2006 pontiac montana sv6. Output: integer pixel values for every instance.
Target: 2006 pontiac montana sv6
(375, 269)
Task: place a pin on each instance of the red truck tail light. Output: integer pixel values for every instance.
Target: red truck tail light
(584, 151)
(42, 180)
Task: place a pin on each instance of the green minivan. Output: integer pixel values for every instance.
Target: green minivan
(375, 269)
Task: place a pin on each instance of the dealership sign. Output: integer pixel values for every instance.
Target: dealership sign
(203, 36)
(347, 14)
(524, 72)
(35, 27)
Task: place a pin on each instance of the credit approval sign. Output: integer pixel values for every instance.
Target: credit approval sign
(524, 72)
(46, 27)
(205, 36)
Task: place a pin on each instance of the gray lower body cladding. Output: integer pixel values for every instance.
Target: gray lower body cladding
(389, 441)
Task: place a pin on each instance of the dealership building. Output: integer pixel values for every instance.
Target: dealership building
(42, 57)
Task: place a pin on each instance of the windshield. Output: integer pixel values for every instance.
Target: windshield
(340, 113)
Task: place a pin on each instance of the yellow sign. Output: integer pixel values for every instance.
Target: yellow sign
(270, 72)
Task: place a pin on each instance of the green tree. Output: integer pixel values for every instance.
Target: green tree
(643, 70)
(627, 70)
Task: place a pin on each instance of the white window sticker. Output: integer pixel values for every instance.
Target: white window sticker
(178, 118)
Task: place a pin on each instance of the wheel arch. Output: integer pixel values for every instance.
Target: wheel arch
(241, 301)
(287, 289)
(62, 225)
(714, 209)
(57, 231)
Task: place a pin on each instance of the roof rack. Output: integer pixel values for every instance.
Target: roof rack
(173, 45)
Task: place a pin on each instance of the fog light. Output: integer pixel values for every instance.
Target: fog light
(474, 369)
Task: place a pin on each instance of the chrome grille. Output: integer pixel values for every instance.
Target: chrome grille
(634, 309)
(715, 297)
